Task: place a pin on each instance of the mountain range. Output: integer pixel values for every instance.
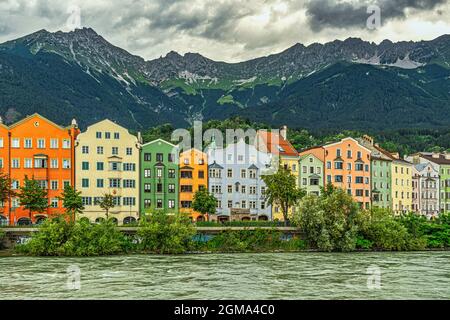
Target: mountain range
(350, 84)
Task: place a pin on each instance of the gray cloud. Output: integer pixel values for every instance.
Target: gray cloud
(344, 14)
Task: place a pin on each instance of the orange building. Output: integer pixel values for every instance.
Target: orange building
(193, 177)
(347, 166)
(37, 148)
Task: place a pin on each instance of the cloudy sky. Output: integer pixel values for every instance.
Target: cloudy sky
(227, 30)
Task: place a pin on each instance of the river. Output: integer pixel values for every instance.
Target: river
(402, 275)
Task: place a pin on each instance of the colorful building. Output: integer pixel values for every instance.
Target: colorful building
(380, 164)
(310, 173)
(193, 177)
(159, 177)
(38, 149)
(235, 179)
(401, 184)
(347, 166)
(107, 162)
(441, 163)
(276, 143)
(425, 180)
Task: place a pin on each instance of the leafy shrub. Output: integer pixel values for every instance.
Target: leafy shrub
(163, 233)
(2, 237)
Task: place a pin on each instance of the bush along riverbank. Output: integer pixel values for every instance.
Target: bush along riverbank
(330, 222)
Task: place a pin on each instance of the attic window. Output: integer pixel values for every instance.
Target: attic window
(280, 148)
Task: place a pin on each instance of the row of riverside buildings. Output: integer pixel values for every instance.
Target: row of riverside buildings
(107, 159)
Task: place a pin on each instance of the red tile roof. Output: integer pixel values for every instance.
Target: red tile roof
(276, 144)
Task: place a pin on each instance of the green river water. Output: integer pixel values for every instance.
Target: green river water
(403, 275)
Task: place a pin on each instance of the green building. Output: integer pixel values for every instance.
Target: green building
(311, 173)
(159, 177)
(381, 179)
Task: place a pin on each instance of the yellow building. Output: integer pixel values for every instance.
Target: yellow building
(107, 162)
(401, 185)
(276, 143)
(193, 177)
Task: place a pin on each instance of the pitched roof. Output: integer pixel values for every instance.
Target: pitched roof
(276, 144)
(440, 160)
(387, 153)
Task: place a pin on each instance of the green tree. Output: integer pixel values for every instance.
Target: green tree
(33, 197)
(282, 190)
(204, 202)
(72, 201)
(107, 203)
(329, 221)
(6, 191)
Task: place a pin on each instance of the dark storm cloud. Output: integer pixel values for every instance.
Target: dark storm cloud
(343, 14)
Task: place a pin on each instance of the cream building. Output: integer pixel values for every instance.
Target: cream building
(107, 162)
(402, 188)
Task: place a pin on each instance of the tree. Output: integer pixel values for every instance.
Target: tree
(204, 202)
(107, 203)
(72, 201)
(330, 221)
(33, 197)
(6, 191)
(282, 190)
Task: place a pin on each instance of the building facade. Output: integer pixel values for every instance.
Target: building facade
(441, 163)
(193, 177)
(311, 173)
(347, 166)
(235, 179)
(38, 149)
(277, 144)
(380, 168)
(401, 185)
(107, 162)
(425, 180)
(159, 177)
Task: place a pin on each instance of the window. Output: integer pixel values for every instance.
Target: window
(359, 180)
(252, 204)
(116, 135)
(243, 173)
(338, 153)
(229, 188)
(159, 172)
(87, 201)
(230, 204)
(41, 143)
(15, 143)
(147, 187)
(107, 135)
(15, 184)
(186, 188)
(85, 165)
(85, 149)
(171, 173)
(100, 183)
(243, 204)
(159, 188)
(147, 203)
(171, 157)
(40, 163)
(159, 203)
(28, 163)
(338, 165)
(1, 142)
(66, 144)
(66, 183)
(186, 174)
(114, 166)
(129, 201)
(349, 166)
(243, 189)
(147, 173)
(171, 188)
(115, 151)
(54, 203)
(15, 163)
(359, 192)
(114, 183)
(328, 165)
(147, 157)
(201, 174)
(54, 163)
(100, 166)
(54, 184)
(1, 162)
(349, 154)
(129, 183)
(252, 174)
(28, 143)
(98, 135)
(338, 178)
(159, 157)
(359, 155)
(230, 173)
(129, 167)
(85, 183)
(99, 150)
(171, 204)
(359, 167)
(252, 190)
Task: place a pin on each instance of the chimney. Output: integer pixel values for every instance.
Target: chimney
(283, 132)
(74, 123)
(368, 139)
(139, 136)
(435, 155)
